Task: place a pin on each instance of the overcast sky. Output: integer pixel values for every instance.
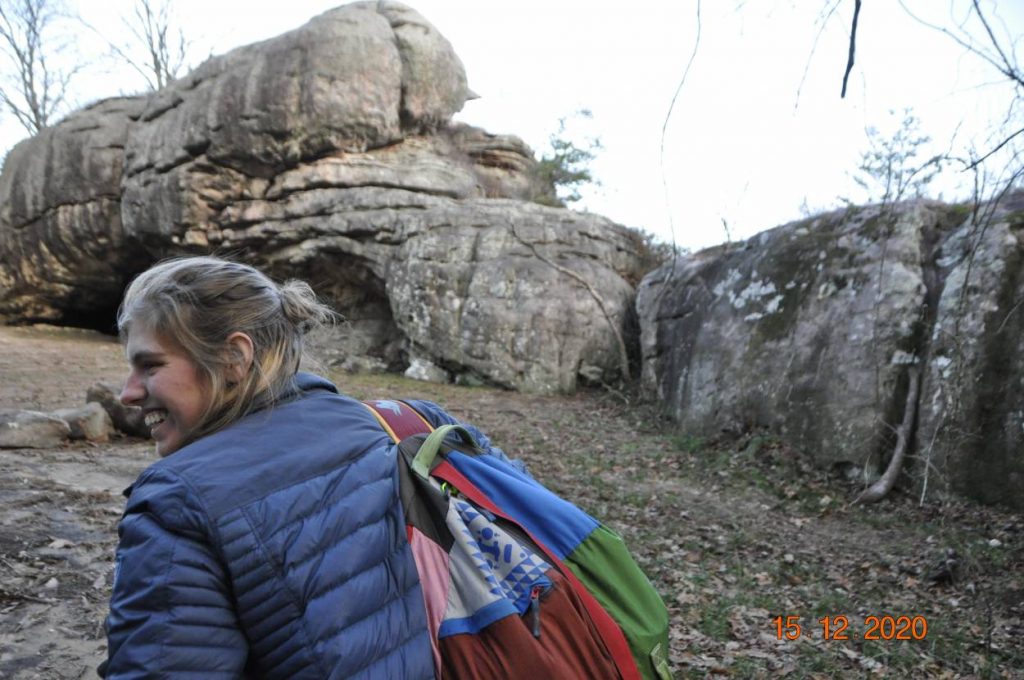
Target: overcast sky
(757, 134)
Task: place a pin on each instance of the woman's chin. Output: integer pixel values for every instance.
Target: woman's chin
(166, 443)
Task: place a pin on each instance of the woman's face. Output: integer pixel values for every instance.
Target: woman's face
(166, 384)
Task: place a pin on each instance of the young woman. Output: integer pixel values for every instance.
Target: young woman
(270, 541)
(270, 544)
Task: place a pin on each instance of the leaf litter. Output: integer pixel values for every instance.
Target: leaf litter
(734, 533)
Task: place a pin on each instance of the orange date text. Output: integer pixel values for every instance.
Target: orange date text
(838, 628)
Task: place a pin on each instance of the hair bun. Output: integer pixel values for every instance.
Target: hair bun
(301, 307)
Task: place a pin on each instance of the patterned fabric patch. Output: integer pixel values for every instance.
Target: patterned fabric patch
(492, 572)
(510, 568)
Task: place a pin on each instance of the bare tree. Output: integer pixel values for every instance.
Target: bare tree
(34, 89)
(996, 47)
(152, 31)
(984, 35)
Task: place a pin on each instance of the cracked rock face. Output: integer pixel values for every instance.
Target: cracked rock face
(64, 253)
(329, 154)
(971, 417)
(809, 331)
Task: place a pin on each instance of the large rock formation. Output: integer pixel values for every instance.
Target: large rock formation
(327, 153)
(64, 253)
(811, 331)
(970, 435)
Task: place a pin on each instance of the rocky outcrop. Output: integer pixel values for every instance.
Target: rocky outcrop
(327, 153)
(970, 435)
(470, 284)
(64, 254)
(811, 330)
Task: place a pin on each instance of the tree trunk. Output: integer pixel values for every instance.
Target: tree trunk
(881, 488)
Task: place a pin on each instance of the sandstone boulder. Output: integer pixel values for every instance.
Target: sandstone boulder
(90, 422)
(328, 153)
(471, 285)
(811, 330)
(357, 77)
(127, 419)
(63, 252)
(31, 430)
(805, 330)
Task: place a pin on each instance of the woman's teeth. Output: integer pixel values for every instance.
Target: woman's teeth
(155, 418)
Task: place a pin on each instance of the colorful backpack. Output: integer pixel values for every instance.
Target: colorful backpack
(517, 582)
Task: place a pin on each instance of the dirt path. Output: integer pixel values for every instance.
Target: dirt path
(58, 509)
(732, 535)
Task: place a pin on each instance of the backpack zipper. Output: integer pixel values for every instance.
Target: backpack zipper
(535, 609)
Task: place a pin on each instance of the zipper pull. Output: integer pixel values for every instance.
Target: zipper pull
(535, 609)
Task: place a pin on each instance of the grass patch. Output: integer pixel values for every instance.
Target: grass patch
(687, 443)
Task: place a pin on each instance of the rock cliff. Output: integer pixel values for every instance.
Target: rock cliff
(326, 153)
(811, 331)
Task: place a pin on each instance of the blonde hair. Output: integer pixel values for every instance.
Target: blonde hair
(197, 302)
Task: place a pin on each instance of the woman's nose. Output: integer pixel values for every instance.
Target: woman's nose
(132, 392)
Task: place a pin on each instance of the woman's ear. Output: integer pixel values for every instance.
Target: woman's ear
(240, 354)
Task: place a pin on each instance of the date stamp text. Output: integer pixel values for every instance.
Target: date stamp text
(837, 627)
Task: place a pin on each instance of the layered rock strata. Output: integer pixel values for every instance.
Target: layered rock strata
(327, 153)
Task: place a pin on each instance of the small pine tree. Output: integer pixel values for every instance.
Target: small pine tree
(891, 166)
(564, 170)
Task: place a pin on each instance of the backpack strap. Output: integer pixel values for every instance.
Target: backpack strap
(399, 419)
(424, 459)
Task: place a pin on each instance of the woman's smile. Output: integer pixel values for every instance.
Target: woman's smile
(165, 383)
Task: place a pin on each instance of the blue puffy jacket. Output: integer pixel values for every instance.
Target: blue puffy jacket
(273, 548)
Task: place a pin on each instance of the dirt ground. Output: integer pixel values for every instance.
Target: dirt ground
(732, 534)
(58, 509)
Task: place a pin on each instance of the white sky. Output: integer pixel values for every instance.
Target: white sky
(740, 145)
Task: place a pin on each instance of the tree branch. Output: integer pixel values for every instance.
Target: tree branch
(969, 46)
(853, 46)
(1009, 69)
(999, 146)
(619, 340)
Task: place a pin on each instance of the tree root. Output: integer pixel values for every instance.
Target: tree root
(881, 488)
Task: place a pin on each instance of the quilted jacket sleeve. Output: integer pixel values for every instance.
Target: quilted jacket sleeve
(171, 612)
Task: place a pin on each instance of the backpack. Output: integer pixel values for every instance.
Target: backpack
(517, 581)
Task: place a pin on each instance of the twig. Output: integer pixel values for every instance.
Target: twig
(25, 597)
(620, 341)
(664, 128)
(814, 47)
(853, 46)
(997, 148)
(1008, 315)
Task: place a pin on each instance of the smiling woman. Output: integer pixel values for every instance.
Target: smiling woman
(167, 386)
(227, 340)
(268, 541)
(218, 571)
